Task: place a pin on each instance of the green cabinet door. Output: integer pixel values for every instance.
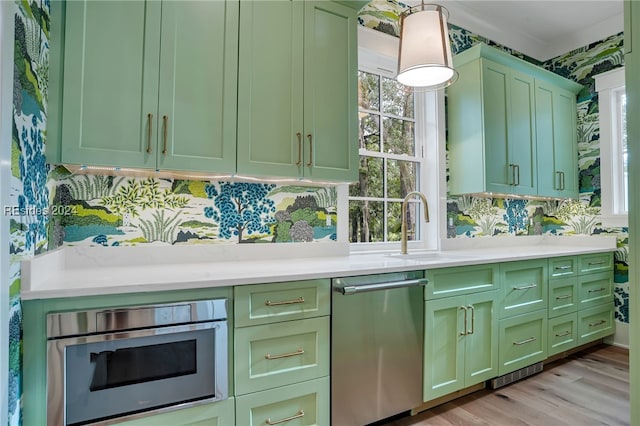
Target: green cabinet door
(556, 141)
(330, 92)
(297, 90)
(497, 163)
(270, 88)
(110, 86)
(445, 330)
(522, 136)
(196, 120)
(461, 343)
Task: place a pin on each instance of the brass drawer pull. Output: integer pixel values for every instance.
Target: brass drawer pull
(310, 163)
(594, 324)
(473, 319)
(525, 287)
(275, 422)
(564, 296)
(298, 352)
(299, 136)
(165, 125)
(598, 263)
(529, 340)
(285, 302)
(149, 123)
(566, 333)
(562, 268)
(465, 332)
(597, 290)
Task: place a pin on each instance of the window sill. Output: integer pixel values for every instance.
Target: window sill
(615, 220)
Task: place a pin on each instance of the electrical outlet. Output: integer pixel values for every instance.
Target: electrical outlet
(126, 219)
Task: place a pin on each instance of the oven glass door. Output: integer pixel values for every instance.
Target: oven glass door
(123, 373)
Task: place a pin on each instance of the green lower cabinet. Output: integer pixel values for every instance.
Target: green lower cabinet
(272, 355)
(300, 404)
(563, 333)
(595, 289)
(220, 413)
(563, 296)
(524, 286)
(460, 343)
(595, 323)
(523, 341)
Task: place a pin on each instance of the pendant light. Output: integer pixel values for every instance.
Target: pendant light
(424, 60)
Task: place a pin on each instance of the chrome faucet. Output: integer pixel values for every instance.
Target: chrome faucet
(403, 242)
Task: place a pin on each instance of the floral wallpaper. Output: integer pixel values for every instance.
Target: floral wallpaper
(115, 210)
(473, 217)
(29, 195)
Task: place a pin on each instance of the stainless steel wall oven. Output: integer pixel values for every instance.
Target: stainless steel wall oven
(113, 363)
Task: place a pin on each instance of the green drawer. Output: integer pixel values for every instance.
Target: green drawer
(563, 333)
(524, 287)
(457, 281)
(595, 323)
(562, 267)
(268, 303)
(219, 413)
(588, 263)
(595, 289)
(272, 355)
(563, 296)
(523, 341)
(301, 404)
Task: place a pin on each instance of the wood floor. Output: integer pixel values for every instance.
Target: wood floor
(587, 388)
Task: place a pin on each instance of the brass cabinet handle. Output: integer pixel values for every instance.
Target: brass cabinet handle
(473, 319)
(285, 302)
(529, 340)
(165, 124)
(564, 296)
(597, 290)
(562, 181)
(513, 174)
(275, 422)
(558, 181)
(562, 268)
(464, 333)
(525, 287)
(566, 333)
(597, 263)
(310, 149)
(299, 136)
(149, 123)
(517, 168)
(593, 324)
(298, 352)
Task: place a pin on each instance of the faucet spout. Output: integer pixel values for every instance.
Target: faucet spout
(403, 241)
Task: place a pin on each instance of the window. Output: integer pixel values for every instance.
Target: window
(395, 158)
(613, 147)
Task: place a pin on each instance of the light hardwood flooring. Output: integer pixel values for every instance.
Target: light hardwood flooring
(587, 388)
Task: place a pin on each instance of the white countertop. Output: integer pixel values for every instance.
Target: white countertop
(83, 271)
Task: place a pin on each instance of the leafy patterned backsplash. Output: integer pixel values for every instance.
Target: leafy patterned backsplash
(116, 210)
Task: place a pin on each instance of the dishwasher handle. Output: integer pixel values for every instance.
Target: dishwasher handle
(348, 290)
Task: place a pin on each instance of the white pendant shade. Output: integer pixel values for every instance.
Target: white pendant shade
(425, 60)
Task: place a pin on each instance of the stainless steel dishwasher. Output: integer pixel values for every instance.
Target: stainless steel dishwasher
(376, 346)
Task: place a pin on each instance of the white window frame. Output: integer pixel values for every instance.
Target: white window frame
(377, 53)
(609, 85)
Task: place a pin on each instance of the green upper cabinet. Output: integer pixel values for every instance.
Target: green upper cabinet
(142, 93)
(556, 141)
(297, 90)
(496, 143)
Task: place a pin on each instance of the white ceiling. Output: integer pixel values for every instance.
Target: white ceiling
(542, 29)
